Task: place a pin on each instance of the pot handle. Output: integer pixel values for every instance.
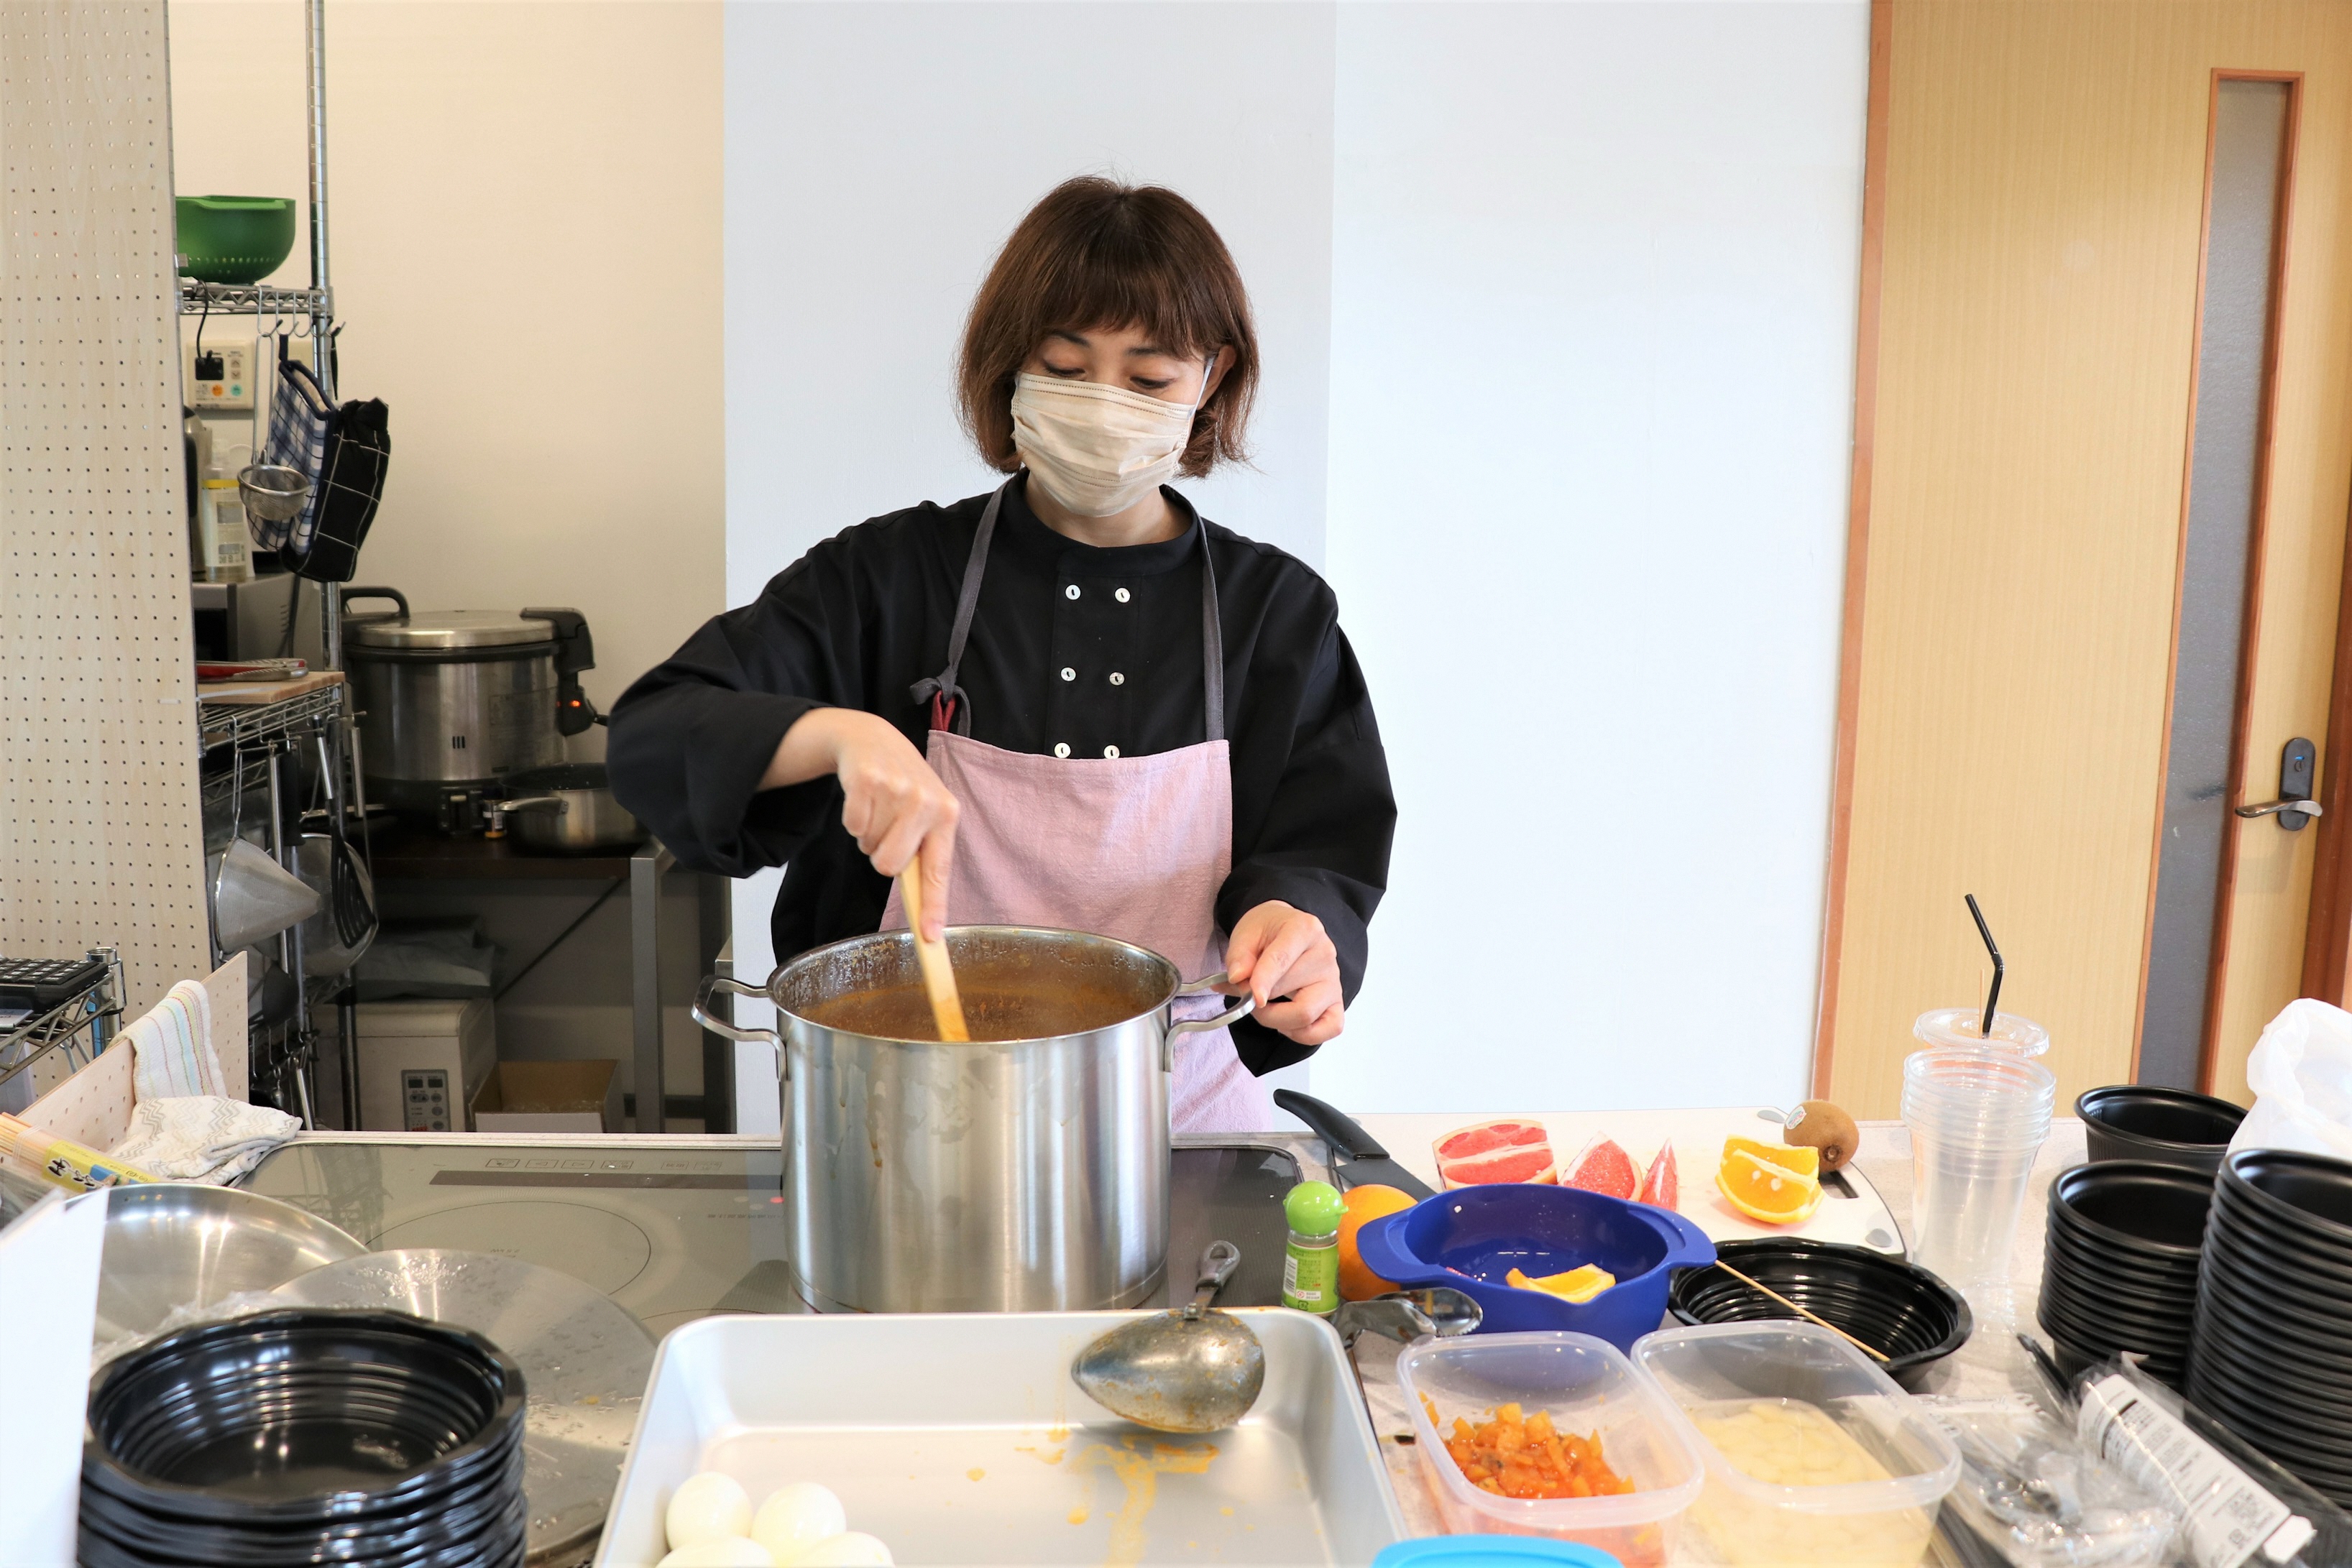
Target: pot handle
(714, 983)
(1200, 1026)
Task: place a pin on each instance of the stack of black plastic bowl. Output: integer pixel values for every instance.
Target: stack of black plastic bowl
(2120, 1263)
(355, 1437)
(1898, 1308)
(2171, 1126)
(2274, 1350)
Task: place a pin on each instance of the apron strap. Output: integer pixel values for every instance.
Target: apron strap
(947, 698)
(948, 705)
(1213, 637)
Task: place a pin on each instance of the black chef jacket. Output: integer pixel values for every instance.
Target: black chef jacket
(864, 615)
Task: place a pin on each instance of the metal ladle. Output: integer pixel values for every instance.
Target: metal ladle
(1189, 1369)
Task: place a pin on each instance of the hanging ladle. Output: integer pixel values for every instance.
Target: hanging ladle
(1191, 1369)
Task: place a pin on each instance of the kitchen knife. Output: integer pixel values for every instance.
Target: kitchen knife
(1365, 1163)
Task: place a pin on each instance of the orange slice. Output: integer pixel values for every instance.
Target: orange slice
(1578, 1284)
(1803, 1161)
(1765, 1190)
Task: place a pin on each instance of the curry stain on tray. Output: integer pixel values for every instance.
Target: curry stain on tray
(1140, 1473)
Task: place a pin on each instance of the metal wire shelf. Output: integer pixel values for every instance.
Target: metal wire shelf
(250, 725)
(60, 1027)
(254, 300)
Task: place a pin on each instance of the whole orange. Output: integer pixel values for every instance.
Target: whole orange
(1358, 1283)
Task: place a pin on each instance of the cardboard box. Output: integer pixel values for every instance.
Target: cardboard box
(550, 1097)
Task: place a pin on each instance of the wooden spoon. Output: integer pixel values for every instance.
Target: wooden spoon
(938, 976)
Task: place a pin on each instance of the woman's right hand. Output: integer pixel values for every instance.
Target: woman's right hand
(891, 801)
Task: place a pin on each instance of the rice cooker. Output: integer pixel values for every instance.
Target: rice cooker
(453, 700)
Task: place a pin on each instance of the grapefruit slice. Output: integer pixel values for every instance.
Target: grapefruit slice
(1487, 1136)
(1663, 1187)
(1505, 1151)
(1605, 1167)
(1765, 1191)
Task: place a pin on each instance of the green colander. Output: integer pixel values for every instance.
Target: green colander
(234, 239)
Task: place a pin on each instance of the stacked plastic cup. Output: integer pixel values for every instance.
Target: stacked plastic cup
(1977, 1116)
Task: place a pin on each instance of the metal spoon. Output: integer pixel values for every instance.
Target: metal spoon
(1186, 1370)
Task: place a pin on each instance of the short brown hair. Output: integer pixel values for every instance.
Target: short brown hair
(1097, 253)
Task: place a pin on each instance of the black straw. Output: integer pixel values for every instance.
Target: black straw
(1992, 997)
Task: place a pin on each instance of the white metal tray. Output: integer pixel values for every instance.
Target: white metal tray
(959, 1438)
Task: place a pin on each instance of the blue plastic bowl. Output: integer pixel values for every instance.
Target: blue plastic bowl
(1473, 1236)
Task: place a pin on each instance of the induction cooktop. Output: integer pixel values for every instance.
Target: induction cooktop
(679, 1227)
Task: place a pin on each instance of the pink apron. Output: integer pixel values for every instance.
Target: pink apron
(1130, 847)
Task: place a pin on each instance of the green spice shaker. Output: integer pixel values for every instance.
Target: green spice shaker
(1310, 1263)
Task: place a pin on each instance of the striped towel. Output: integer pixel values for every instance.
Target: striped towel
(173, 1048)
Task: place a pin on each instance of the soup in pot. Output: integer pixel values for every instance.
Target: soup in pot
(990, 1012)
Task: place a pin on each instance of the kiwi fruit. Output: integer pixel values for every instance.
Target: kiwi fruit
(1820, 1124)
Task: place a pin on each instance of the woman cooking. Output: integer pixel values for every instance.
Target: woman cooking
(1082, 703)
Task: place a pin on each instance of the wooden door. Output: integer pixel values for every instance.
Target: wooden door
(2037, 218)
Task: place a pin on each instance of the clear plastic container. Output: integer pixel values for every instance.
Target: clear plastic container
(1814, 1456)
(1586, 1386)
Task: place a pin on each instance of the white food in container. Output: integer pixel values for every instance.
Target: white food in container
(795, 1517)
(708, 1506)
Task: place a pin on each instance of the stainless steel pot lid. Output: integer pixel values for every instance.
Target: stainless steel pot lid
(450, 628)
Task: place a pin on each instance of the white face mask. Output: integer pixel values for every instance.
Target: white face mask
(1098, 449)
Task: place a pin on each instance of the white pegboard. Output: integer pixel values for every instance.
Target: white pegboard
(100, 840)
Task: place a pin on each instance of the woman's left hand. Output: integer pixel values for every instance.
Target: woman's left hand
(1278, 952)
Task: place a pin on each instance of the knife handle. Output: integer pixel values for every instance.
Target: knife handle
(1331, 1124)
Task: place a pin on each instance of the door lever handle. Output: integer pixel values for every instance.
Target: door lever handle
(2299, 777)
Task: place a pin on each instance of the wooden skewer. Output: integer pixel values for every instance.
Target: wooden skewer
(939, 975)
(1809, 1317)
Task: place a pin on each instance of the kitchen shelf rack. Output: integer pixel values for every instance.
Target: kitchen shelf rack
(284, 1050)
(59, 1027)
(254, 725)
(262, 299)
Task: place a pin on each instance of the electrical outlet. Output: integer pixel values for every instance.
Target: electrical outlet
(232, 388)
(227, 384)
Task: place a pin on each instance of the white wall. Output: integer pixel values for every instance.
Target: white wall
(877, 154)
(1594, 314)
(1558, 303)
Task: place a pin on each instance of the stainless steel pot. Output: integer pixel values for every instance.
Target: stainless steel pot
(568, 811)
(1004, 1176)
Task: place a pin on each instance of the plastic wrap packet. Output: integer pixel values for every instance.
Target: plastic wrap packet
(2235, 1507)
(2032, 1495)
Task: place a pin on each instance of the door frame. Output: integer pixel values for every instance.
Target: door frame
(2257, 551)
(1857, 539)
